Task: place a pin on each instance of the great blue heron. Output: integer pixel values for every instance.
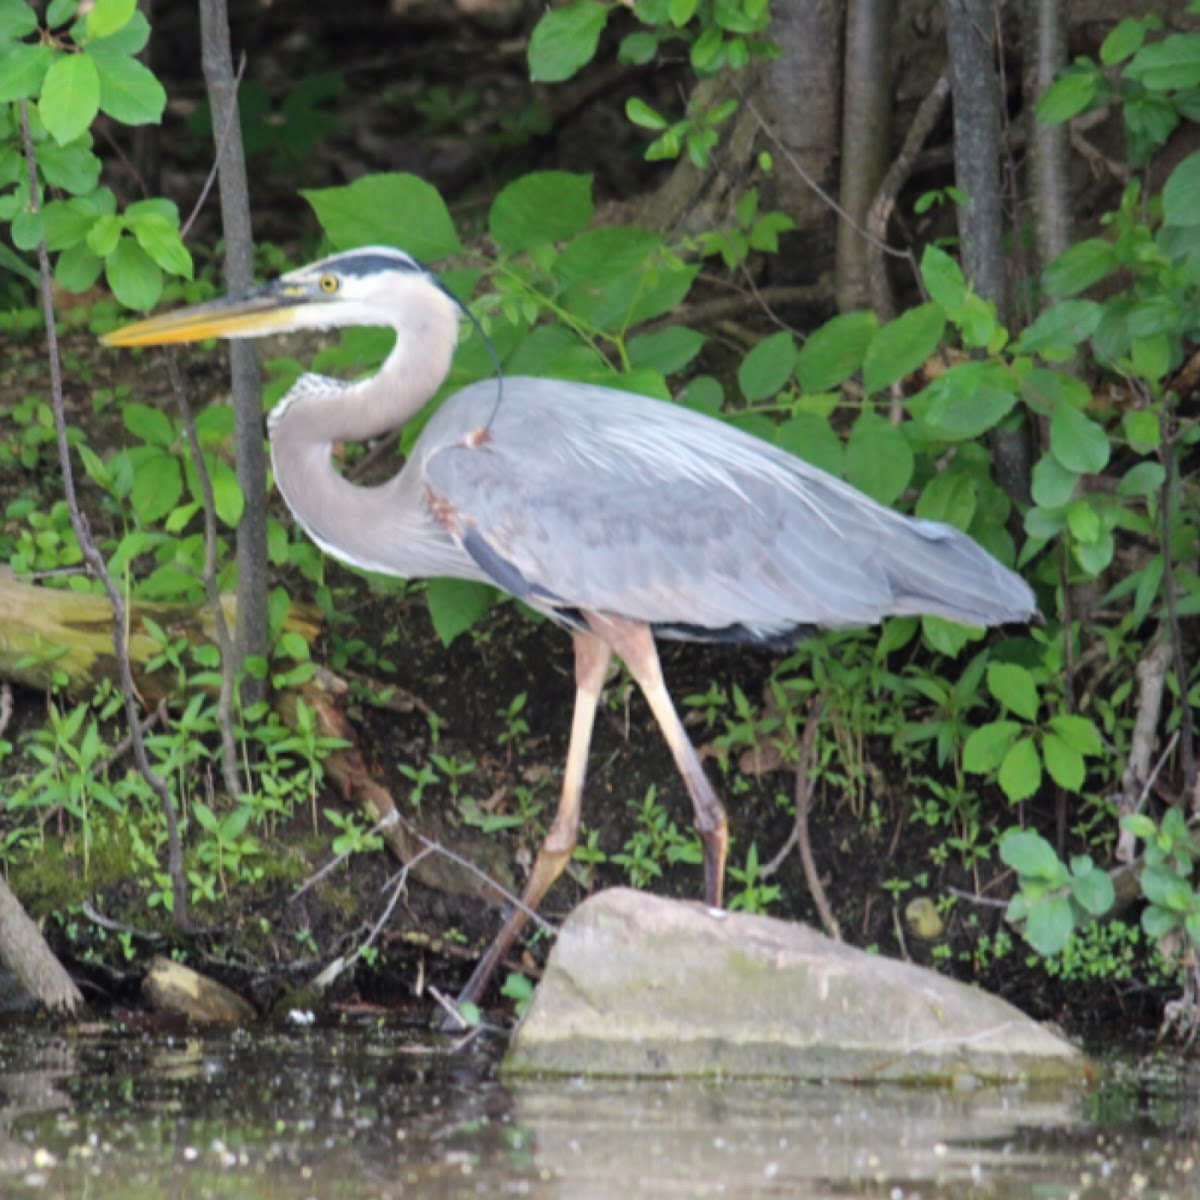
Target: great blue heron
(620, 517)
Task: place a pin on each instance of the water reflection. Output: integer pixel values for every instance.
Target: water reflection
(375, 1114)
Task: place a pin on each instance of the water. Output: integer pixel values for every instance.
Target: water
(374, 1113)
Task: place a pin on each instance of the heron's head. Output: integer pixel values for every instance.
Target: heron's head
(374, 285)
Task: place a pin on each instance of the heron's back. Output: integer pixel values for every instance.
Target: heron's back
(584, 497)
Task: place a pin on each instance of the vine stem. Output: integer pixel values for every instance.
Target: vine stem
(94, 560)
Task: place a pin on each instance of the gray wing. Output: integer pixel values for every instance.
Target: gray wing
(589, 498)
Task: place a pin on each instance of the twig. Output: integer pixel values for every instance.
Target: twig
(229, 754)
(799, 836)
(219, 144)
(810, 182)
(975, 898)
(334, 863)
(6, 706)
(803, 762)
(157, 717)
(894, 179)
(98, 918)
(95, 560)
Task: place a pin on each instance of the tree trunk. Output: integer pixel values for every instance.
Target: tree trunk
(1045, 51)
(801, 101)
(217, 58)
(970, 33)
(866, 112)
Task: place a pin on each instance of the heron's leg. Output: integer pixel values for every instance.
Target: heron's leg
(634, 643)
(592, 657)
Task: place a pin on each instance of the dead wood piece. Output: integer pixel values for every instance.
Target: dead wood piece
(48, 635)
(24, 951)
(1151, 675)
(171, 987)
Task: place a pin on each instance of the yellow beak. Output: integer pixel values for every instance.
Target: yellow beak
(268, 310)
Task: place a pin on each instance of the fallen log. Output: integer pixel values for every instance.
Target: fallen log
(54, 638)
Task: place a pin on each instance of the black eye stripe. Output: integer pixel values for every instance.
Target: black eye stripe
(370, 264)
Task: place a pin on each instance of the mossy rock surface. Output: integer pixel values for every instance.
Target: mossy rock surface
(640, 985)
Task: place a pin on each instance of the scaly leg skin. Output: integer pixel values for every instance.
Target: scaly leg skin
(592, 657)
(634, 643)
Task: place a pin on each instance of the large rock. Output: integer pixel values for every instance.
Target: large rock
(639, 985)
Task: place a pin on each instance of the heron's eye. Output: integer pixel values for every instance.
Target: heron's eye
(328, 284)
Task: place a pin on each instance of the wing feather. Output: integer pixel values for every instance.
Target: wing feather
(623, 504)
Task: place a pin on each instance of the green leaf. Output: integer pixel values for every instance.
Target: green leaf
(565, 39)
(457, 604)
(1021, 771)
(22, 69)
(109, 16)
(17, 20)
(1053, 484)
(1079, 267)
(135, 279)
(1181, 194)
(152, 425)
(73, 167)
(1143, 429)
(394, 209)
(943, 279)
(950, 497)
(1094, 891)
(129, 40)
(1168, 65)
(767, 368)
(159, 237)
(879, 460)
(1032, 857)
(1122, 41)
(1014, 687)
(227, 494)
(1063, 762)
(986, 747)
(1083, 521)
(1069, 95)
(1077, 441)
(1164, 886)
(1151, 356)
(641, 114)
(1049, 925)
(963, 413)
(157, 484)
(1158, 922)
(59, 12)
(544, 206)
(813, 439)
(835, 351)
(70, 97)
(902, 345)
(129, 91)
(637, 49)
(665, 350)
(77, 268)
(1056, 333)
(1078, 732)
(1142, 479)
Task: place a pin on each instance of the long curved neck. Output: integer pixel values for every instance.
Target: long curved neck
(370, 527)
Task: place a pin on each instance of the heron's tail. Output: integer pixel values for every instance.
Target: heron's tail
(935, 570)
